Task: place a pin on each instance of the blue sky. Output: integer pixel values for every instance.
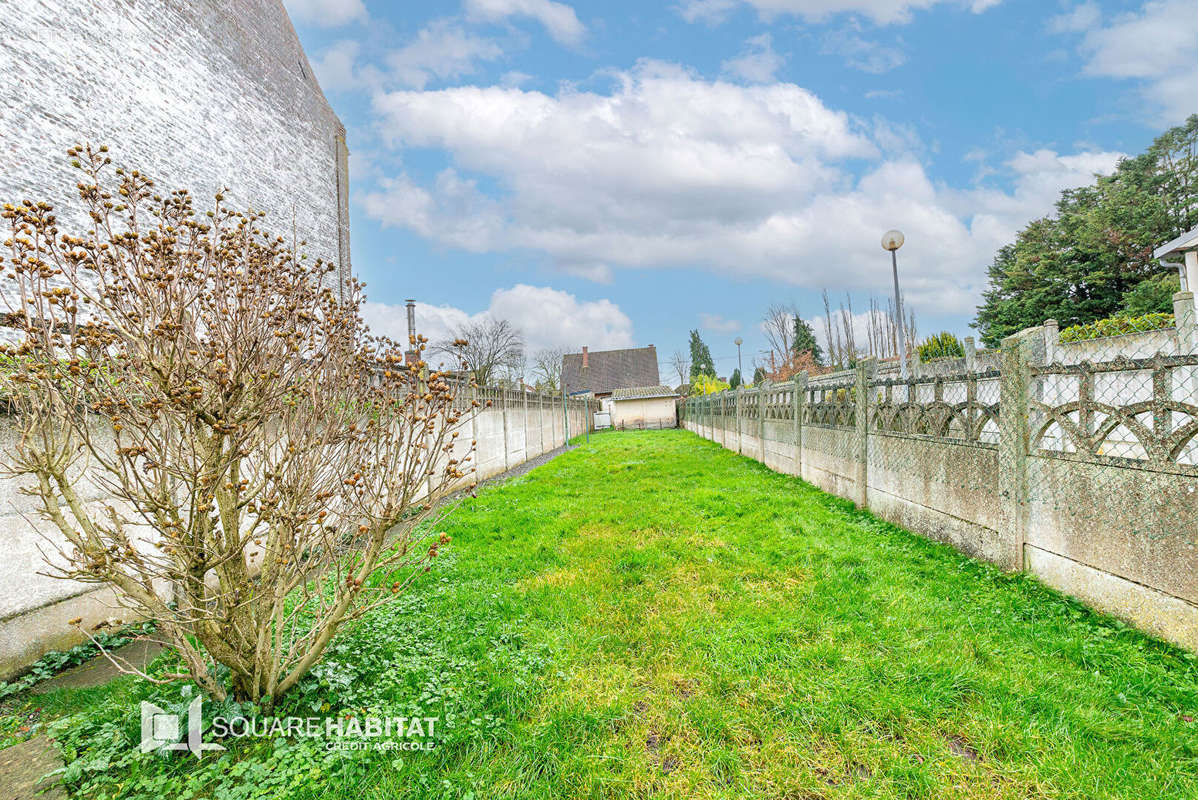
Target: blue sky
(617, 173)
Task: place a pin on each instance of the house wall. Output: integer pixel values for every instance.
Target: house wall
(203, 95)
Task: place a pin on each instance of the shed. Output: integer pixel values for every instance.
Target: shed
(644, 407)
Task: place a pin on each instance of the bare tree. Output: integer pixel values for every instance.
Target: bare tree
(492, 346)
(512, 373)
(778, 325)
(881, 333)
(261, 454)
(835, 357)
(681, 365)
(547, 367)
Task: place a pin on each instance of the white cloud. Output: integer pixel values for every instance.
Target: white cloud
(1039, 178)
(335, 68)
(547, 317)
(758, 63)
(558, 18)
(1080, 18)
(514, 78)
(718, 323)
(668, 170)
(863, 54)
(1155, 45)
(882, 12)
(712, 12)
(441, 50)
(326, 13)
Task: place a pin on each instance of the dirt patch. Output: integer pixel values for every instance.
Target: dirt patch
(961, 748)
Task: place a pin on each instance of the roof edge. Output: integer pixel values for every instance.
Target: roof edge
(1187, 241)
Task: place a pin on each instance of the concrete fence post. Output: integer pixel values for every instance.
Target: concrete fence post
(1186, 324)
(723, 420)
(524, 397)
(865, 370)
(762, 391)
(1019, 352)
(541, 420)
(800, 395)
(1052, 341)
(474, 412)
(503, 407)
(739, 445)
(971, 355)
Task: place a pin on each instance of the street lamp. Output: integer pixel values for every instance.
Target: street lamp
(739, 368)
(892, 240)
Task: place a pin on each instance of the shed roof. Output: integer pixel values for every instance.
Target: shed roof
(643, 392)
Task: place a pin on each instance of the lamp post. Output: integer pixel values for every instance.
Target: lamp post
(739, 368)
(892, 240)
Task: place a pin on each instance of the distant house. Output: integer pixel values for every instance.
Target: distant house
(603, 372)
(644, 407)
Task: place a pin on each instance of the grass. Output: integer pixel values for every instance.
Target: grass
(651, 615)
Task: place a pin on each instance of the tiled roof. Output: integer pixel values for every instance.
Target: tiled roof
(608, 370)
(643, 392)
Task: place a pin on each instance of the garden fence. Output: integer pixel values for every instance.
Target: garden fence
(1076, 461)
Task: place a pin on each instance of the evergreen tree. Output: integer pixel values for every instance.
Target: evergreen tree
(1092, 259)
(758, 376)
(701, 362)
(734, 381)
(805, 341)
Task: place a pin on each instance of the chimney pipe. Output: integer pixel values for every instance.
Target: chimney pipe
(584, 357)
(410, 354)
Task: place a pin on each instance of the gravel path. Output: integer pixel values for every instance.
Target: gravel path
(531, 464)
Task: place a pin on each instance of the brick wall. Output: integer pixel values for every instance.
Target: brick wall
(198, 94)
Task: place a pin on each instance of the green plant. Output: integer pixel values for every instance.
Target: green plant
(1152, 295)
(1117, 326)
(262, 452)
(941, 345)
(707, 384)
(57, 661)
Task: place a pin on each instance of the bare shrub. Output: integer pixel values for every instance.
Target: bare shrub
(262, 457)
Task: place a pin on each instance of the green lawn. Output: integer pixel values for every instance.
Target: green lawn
(651, 615)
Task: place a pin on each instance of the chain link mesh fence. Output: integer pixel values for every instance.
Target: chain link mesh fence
(1074, 456)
